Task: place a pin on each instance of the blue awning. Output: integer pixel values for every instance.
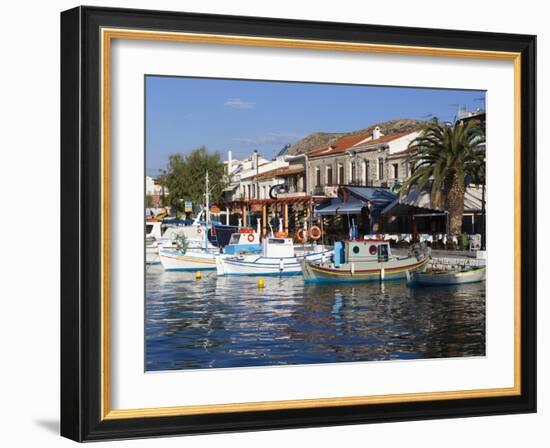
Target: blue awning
(375, 195)
(336, 207)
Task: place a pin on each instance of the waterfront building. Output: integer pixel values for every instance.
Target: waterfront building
(416, 212)
(477, 117)
(354, 207)
(240, 173)
(248, 197)
(365, 159)
(352, 183)
(155, 191)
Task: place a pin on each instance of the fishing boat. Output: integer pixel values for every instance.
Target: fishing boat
(193, 258)
(279, 256)
(190, 260)
(363, 260)
(152, 249)
(468, 275)
(245, 241)
(153, 233)
(157, 238)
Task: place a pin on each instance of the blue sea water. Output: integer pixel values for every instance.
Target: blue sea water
(218, 322)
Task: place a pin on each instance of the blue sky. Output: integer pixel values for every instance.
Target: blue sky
(185, 113)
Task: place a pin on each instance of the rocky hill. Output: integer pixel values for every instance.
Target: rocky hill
(313, 141)
(319, 139)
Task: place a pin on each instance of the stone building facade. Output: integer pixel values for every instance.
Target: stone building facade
(364, 159)
(374, 159)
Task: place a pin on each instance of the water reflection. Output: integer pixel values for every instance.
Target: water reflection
(229, 322)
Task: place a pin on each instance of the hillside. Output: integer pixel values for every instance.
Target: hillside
(319, 139)
(312, 141)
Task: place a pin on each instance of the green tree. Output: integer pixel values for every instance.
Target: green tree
(148, 201)
(182, 243)
(443, 156)
(185, 177)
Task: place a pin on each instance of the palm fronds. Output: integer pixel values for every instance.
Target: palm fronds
(442, 157)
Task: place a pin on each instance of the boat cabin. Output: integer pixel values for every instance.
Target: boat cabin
(243, 242)
(353, 251)
(153, 229)
(278, 247)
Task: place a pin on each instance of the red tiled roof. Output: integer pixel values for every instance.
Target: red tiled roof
(340, 145)
(345, 143)
(277, 172)
(387, 138)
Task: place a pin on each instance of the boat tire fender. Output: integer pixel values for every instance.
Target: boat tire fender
(315, 233)
(301, 235)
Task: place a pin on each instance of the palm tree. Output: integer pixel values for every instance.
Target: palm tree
(443, 156)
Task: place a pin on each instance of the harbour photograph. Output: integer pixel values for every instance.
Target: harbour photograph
(293, 223)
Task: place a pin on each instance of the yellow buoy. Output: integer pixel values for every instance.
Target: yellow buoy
(260, 283)
(198, 275)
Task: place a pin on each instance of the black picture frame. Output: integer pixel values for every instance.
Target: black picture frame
(81, 224)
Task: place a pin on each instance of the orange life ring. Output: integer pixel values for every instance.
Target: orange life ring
(301, 235)
(315, 233)
(250, 237)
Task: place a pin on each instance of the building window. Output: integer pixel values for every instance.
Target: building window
(264, 192)
(317, 177)
(340, 174)
(395, 167)
(406, 168)
(366, 173)
(329, 175)
(248, 187)
(353, 173)
(380, 168)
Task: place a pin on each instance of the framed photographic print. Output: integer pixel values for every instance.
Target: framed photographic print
(274, 223)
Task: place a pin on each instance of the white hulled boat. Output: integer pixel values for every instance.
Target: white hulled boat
(153, 234)
(203, 256)
(279, 257)
(365, 260)
(191, 260)
(440, 278)
(245, 241)
(156, 239)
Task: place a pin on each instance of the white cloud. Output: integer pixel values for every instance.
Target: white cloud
(237, 103)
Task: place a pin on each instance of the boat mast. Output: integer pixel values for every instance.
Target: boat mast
(207, 211)
(207, 200)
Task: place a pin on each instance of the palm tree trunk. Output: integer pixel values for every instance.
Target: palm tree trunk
(455, 202)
